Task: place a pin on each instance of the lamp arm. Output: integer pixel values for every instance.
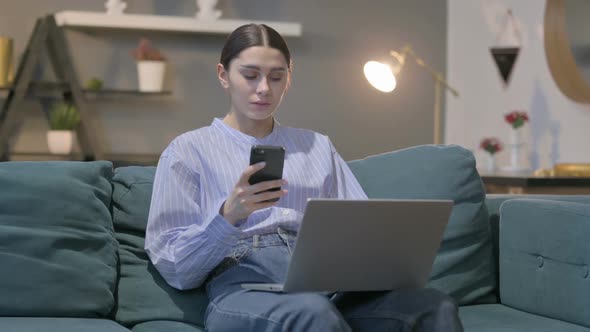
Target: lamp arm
(438, 77)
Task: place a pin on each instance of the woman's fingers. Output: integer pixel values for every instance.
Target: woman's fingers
(266, 185)
(264, 196)
(249, 171)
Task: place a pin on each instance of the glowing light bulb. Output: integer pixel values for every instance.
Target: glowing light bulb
(380, 76)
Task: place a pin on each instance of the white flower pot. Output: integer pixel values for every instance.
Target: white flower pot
(151, 75)
(60, 141)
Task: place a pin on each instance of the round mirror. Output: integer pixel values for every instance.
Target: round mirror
(567, 46)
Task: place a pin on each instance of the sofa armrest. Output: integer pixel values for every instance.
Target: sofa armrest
(545, 258)
(494, 201)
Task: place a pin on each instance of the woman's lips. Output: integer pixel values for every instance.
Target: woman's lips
(261, 104)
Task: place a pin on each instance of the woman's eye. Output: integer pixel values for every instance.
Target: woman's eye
(249, 77)
(276, 78)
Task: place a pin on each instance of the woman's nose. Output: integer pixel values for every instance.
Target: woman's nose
(263, 87)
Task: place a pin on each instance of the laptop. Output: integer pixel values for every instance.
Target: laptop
(364, 245)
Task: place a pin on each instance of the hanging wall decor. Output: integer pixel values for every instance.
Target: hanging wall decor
(505, 56)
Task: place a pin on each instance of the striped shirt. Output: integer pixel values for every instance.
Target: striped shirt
(186, 236)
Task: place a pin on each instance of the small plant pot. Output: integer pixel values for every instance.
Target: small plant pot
(151, 75)
(60, 141)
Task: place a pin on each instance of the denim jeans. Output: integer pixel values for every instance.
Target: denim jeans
(264, 259)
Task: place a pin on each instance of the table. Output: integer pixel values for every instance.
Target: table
(529, 183)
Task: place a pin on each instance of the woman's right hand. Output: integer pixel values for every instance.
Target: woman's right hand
(247, 198)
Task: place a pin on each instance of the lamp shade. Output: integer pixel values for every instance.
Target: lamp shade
(380, 76)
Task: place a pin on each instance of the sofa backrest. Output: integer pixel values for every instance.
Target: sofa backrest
(464, 267)
(58, 252)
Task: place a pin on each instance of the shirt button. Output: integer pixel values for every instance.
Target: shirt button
(286, 212)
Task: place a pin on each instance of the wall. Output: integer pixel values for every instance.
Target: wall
(558, 130)
(328, 93)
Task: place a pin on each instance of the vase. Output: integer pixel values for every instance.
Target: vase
(490, 163)
(6, 50)
(151, 75)
(207, 11)
(60, 141)
(516, 145)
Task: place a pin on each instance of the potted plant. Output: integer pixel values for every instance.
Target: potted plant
(94, 84)
(63, 120)
(516, 120)
(151, 66)
(491, 145)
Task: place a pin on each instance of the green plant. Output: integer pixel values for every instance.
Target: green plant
(94, 84)
(63, 116)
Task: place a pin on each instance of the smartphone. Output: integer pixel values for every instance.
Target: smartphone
(274, 157)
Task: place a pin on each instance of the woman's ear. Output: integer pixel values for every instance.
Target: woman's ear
(288, 82)
(222, 75)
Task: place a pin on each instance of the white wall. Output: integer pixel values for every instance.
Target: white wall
(559, 130)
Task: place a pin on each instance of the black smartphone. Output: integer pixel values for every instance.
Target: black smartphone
(274, 157)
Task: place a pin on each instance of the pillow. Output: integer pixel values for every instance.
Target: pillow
(143, 294)
(57, 247)
(464, 266)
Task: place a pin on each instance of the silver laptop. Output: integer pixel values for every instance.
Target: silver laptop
(364, 245)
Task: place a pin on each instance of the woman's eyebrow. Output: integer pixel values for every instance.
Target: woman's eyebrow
(258, 68)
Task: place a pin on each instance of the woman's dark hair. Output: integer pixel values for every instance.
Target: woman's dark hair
(253, 35)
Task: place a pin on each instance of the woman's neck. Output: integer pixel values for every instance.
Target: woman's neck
(255, 128)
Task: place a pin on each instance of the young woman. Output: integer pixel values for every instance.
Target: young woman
(208, 226)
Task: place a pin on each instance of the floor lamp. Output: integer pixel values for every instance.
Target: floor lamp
(382, 77)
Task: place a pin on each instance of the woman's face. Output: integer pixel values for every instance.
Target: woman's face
(256, 82)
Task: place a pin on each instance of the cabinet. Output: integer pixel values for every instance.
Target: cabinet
(528, 183)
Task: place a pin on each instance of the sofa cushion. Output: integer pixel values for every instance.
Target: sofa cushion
(500, 318)
(143, 295)
(57, 247)
(545, 258)
(464, 266)
(166, 325)
(36, 324)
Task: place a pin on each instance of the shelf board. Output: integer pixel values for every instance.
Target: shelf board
(164, 23)
(48, 89)
(113, 92)
(118, 159)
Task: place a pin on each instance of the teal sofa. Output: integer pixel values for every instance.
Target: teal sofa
(72, 258)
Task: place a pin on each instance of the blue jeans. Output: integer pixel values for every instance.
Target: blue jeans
(265, 259)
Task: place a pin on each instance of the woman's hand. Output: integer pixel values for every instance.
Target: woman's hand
(247, 198)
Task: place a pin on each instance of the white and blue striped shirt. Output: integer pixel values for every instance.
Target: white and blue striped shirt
(187, 237)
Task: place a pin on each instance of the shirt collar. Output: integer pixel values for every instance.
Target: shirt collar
(242, 137)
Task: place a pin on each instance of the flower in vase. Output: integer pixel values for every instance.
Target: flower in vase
(491, 145)
(516, 119)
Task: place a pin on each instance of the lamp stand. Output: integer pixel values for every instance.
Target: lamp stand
(437, 95)
(439, 84)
